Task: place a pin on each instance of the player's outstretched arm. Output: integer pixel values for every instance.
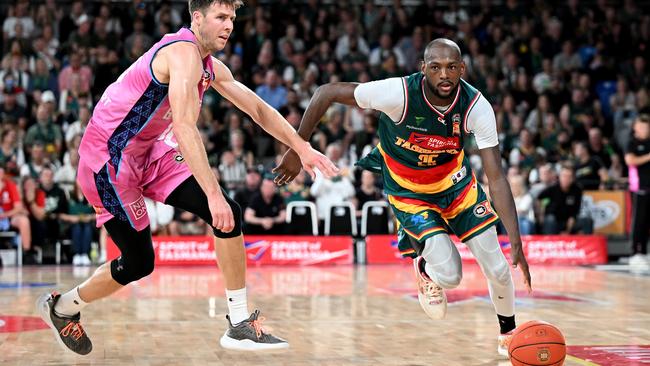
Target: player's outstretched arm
(184, 75)
(269, 119)
(505, 205)
(323, 98)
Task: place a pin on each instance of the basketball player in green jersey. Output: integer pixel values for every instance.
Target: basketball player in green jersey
(427, 177)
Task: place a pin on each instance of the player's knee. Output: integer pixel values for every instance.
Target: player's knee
(237, 217)
(449, 280)
(126, 270)
(499, 274)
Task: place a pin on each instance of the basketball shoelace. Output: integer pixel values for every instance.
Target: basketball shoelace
(432, 291)
(73, 329)
(259, 329)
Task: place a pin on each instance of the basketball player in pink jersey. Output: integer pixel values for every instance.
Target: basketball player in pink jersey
(129, 151)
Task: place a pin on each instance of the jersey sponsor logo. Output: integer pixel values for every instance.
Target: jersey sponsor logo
(179, 158)
(482, 209)
(434, 142)
(138, 208)
(419, 120)
(456, 124)
(416, 128)
(459, 175)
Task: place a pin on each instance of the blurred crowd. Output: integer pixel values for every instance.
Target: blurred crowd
(566, 80)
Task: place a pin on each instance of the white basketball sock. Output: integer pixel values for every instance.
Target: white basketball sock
(70, 303)
(237, 305)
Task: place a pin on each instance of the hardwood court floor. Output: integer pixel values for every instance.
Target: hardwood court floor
(346, 315)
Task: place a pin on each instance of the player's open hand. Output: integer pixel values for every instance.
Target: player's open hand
(222, 217)
(519, 260)
(312, 159)
(288, 169)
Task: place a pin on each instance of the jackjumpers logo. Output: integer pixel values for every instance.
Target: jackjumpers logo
(433, 141)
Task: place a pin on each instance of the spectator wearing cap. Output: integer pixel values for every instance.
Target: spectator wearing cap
(82, 37)
(266, 212)
(48, 98)
(45, 131)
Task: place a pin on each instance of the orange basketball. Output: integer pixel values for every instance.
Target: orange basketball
(537, 343)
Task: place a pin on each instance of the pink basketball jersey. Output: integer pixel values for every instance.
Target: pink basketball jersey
(134, 112)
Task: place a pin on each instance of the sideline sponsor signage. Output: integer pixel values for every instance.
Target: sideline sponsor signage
(539, 249)
(275, 250)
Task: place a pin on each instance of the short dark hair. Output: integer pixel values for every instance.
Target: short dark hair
(643, 117)
(202, 5)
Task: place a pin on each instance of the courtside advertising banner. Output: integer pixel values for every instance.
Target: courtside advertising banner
(539, 249)
(267, 250)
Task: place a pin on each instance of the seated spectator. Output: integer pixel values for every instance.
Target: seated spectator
(66, 176)
(81, 217)
(9, 107)
(11, 157)
(297, 190)
(266, 212)
(561, 204)
(45, 131)
(272, 91)
(541, 178)
(76, 69)
(12, 214)
(56, 204)
(523, 204)
(329, 191)
(591, 174)
(37, 162)
(187, 223)
(366, 192)
(237, 141)
(232, 171)
(251, 187)
(526, 154)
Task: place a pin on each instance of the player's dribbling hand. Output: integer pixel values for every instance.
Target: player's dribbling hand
(222, 218)
(519, 260)
(288, 168)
